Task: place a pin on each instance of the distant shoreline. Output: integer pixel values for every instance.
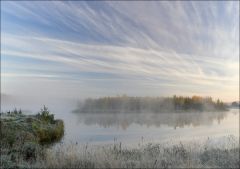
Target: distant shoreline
(126, 104)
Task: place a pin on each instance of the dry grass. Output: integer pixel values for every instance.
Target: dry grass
(190, 155)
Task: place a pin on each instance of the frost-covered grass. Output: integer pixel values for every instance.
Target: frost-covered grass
(189, 155)
(23, 137)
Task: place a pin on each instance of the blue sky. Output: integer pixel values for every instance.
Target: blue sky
(80, 49)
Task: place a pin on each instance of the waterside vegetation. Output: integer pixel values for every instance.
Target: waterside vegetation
(151, 104)
(23, 137)
(152, 155)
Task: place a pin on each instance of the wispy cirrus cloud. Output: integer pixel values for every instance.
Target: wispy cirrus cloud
(140, 48)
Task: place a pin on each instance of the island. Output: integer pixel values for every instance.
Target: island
(126, 104)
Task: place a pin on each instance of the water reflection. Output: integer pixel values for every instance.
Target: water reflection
(175, 120)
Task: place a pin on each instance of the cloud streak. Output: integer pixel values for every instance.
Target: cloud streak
(151, 48)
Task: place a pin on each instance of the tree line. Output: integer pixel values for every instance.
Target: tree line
(153, 104)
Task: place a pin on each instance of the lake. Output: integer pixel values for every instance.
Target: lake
(134, 129)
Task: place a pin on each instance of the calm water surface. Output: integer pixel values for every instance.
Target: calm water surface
(132, 129)
(135, 128)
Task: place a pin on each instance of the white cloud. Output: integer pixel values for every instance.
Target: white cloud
(148, 44)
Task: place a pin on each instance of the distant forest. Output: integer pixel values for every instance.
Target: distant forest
(151, 104)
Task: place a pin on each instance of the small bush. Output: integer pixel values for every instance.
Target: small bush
(45, 115)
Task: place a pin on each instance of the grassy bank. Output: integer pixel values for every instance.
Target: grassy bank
(23, 137)
(179, 155)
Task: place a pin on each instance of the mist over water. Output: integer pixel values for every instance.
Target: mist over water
(152, 127)
(174, 120)
(132, 128)
(105, 85)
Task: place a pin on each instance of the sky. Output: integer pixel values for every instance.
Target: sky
(80, 49)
